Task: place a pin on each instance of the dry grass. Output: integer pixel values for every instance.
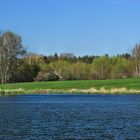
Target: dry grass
(104, 91)
(84, 91)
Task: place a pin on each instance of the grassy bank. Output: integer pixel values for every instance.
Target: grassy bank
(81, 86)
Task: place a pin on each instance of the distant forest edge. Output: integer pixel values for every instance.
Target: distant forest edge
(18, 65)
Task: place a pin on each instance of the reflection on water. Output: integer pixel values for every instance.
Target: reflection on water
(48, 117)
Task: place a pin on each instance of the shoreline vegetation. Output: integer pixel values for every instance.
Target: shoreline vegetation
(120, 86)
(23, 72)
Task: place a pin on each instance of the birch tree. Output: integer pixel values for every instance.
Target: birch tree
(10, 49)
(136, 60)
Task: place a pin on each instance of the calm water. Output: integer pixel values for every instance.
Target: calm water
(73, 117)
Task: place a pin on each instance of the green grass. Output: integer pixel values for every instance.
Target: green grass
(133, 83)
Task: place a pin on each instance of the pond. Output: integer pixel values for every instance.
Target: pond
(68, 116)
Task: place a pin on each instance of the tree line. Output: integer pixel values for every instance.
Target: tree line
(18, 65)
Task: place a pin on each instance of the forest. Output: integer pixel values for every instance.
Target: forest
(19, 65)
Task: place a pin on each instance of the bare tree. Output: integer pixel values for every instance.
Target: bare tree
(136, 60)
(10, 49)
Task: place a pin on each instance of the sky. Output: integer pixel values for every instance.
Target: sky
(82, 27)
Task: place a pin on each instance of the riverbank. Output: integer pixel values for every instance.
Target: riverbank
(120, 86)
(70, 91)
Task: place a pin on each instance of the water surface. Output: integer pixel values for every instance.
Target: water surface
(62, 117)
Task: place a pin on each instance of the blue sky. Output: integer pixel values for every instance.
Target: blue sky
(93, 27)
